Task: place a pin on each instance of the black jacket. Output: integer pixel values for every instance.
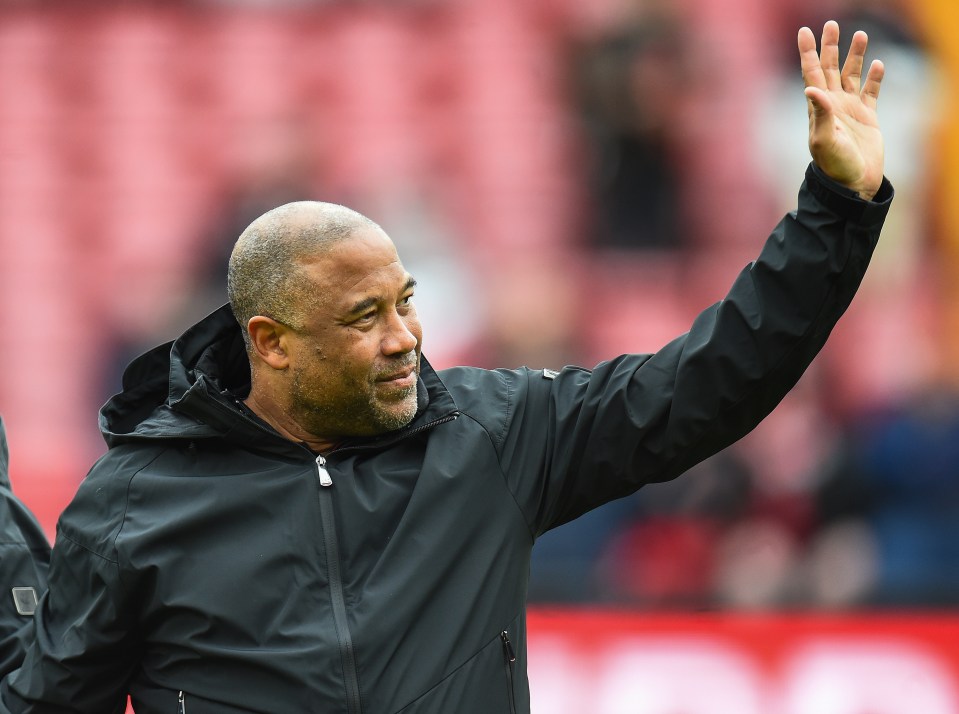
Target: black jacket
(203, 557)
(24, 558)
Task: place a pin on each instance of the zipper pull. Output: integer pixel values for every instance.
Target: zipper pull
(325, 479)
(181, 703)
(507, 646)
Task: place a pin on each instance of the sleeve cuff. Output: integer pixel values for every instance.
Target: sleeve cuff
(844, 201)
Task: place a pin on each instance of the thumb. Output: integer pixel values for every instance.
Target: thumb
(819, 102)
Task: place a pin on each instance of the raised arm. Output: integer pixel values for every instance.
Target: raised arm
(639, 419)
(844, 137)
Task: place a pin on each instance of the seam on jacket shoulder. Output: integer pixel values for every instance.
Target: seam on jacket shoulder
(62, 532)
(500, 438)
(126, 501)
(89, 550)
(499, 465)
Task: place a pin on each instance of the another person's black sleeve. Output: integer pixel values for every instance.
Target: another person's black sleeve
(24, 559)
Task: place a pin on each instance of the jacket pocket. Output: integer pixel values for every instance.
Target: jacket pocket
(509, 660)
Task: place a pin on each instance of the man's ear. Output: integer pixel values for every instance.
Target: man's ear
(267, 336)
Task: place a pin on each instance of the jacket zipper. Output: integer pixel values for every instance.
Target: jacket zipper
(325, 480)
(340, 620)
(327, 517)
(333, 566)
(509, 657)
(181, 703)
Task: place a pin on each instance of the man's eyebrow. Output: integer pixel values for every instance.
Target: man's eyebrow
(369, 302)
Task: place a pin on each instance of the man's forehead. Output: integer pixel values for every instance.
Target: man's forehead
(357, 267)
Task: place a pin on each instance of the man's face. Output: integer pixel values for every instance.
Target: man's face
(354, 364)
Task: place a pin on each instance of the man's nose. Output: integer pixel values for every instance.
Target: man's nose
(399, 338)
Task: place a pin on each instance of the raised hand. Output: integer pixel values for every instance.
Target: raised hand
(844, 137)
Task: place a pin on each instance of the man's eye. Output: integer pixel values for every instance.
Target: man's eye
(407, 300)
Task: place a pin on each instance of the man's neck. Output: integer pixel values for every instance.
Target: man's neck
(287, 427)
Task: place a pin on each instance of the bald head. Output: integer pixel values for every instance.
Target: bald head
(264, 276)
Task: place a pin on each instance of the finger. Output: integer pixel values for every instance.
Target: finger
(870, 90)
(829, 54)
(809, 60)
(852, 67)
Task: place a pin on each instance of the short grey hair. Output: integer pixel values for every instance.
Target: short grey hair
(264, 275)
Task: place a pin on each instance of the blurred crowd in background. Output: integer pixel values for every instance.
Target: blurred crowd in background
(567, 180)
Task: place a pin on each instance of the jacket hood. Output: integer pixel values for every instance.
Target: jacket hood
(170, 391)
(187, 389)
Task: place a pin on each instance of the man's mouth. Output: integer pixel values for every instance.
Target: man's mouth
(405, 377)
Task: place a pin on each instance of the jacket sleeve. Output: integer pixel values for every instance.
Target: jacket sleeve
(584, 437)
(24, 559)
(82, 652)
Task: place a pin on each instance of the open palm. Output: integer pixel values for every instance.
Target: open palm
(844, 137)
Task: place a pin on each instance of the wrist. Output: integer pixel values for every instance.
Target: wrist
(862, 190)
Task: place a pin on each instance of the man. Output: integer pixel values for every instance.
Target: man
(298, 514)
(24, 558)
